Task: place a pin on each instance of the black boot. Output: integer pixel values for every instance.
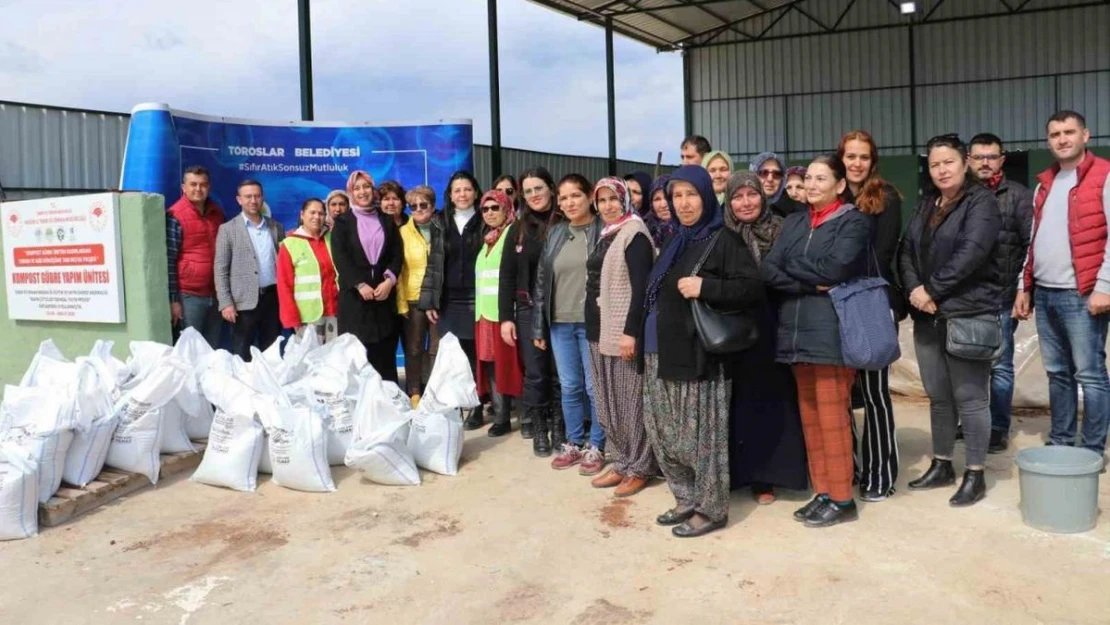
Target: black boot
(972, 489)
(501, 423)
(528, 423)
(541, 442)
(476, 419)
(999, 442)
(940, 474)
(558, 429)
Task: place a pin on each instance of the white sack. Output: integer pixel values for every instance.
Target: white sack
(96, 422)
(193, 350)
(295, 351)
(298, 449)
(138, 438)
(328, 387)
(19, 505)
(233, 452)
(436, 440)
(145, 356)
(451, 383)
(384, 457)
(116, 372)
(39, 420)
(175, 438)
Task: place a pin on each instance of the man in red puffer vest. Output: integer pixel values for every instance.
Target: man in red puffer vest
(1067, 279)
(191, 226)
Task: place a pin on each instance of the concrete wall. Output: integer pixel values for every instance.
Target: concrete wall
(143, 236)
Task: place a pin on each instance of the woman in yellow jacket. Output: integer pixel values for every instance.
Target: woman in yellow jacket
(420, 337)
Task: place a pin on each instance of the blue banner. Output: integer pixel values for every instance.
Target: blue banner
(293, 160)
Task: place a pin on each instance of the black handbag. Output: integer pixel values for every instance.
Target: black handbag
(974, 338)
(721, 332)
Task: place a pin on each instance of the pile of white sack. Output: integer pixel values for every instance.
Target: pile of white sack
(293, 416)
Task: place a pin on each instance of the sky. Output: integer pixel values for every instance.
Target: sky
(373, 60)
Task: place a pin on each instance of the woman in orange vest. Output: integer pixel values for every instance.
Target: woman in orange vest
(307, 288)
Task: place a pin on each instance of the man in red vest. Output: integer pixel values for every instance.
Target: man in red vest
(191, 227)
(1067, 278)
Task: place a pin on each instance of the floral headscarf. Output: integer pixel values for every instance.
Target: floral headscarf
(618, 186)
(760, 234)
(660, 229)
(493, 234)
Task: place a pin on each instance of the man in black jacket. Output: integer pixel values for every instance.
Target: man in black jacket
(986, 158)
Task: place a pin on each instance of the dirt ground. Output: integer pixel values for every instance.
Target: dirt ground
(511, 541)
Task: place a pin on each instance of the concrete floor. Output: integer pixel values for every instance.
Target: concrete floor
(511, 541)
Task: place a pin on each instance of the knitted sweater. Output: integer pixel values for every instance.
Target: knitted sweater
(619, 288)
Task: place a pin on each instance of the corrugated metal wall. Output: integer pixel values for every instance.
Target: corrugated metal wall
(1005, 75)
(46, 151)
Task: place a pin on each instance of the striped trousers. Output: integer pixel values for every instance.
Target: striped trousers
(619, 404)
(876, 452)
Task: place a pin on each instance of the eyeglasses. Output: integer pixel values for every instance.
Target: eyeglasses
(985, 157)
(492, 208)
(509, 192)
(770, 173)
(419, 206)
(535, 190)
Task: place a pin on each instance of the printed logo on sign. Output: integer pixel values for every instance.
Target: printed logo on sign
(13, 224)
(98, 218)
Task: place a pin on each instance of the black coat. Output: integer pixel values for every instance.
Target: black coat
(370, 321)
(803, 259)
(1015, 201)
(962, 271)
(730, 282)
(518, 269)
(886, 234)
(433, 292)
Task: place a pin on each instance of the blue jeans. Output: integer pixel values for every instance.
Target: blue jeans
(1073, 348)
(202, 314)
(572, 359)
(1002, 377)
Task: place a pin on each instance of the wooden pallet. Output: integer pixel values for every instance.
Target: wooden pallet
(71, 502)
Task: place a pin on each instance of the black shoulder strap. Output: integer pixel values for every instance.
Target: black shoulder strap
(708, 250)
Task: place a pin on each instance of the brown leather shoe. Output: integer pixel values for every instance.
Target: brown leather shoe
(630, 486)
(608, 479)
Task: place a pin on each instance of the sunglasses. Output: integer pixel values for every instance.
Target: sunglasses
(770, 173)
(535, 190)
(492, 208)
(419, 206)
(509, 192)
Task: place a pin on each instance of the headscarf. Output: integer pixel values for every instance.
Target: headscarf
(351, 180)
(760, 234)
(658, 228)
(705, 160)
(758, 162)
(644, 181)
(796, 170)
(711, 221)
(618, 186)
(493, 234)
(328, 219)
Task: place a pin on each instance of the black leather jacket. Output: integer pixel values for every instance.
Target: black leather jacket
(545, 275)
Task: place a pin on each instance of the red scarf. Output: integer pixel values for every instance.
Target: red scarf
(818, 216)
(994, 181)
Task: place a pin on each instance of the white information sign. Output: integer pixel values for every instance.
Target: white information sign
(62, 259)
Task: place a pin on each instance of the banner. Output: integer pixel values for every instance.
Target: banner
(293, 160)
(62, 259)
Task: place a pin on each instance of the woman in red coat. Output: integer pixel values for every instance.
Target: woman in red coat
(307, 289)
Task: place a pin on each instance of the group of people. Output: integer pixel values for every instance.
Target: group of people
(592, 304)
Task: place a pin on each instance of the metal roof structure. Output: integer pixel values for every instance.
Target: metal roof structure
(669, 25)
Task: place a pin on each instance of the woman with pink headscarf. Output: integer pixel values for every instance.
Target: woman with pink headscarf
(366, 247)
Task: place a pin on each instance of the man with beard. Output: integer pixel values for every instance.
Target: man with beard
(986, 157)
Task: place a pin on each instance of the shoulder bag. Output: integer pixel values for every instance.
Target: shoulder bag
(721, 332)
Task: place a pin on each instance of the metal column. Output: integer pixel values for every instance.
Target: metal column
(304, 28)
(687, 93)
(611, 98)
(494, 92)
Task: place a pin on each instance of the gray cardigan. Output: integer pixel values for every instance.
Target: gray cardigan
(236, 266)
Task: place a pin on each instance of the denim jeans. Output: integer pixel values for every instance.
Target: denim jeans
(1002, 377)
(1073, 348)
(572, 359)
(202, 314)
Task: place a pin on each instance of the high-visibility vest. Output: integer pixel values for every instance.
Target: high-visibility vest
(306, 277)
(487, 274)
